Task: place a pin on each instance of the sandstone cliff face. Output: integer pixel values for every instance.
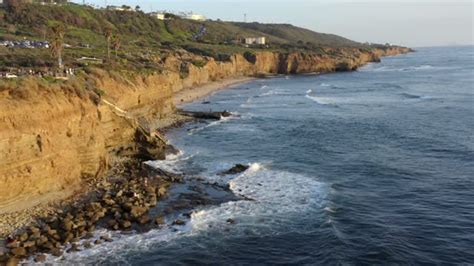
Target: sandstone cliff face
(54, 139)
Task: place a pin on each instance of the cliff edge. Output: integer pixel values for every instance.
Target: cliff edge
(57, 136)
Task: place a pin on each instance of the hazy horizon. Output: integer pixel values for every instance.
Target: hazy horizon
(414, 24)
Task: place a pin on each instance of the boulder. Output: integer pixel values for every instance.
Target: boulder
(41, 240)
(13, 261)
(162, 192)
(12, 243)
(113, 224)
(68, 237)
(137, 211)
(29, 244)
(159, 220)
(87, 244)
(19, 252)
(106, 238)
(23, 237)
(40, 258)
(67, 225)
(56, 252)
(236, 169)
(171, 150)
(179, 222)
(126, 224)
(144, 219)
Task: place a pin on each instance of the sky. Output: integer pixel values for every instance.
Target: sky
(415, 23)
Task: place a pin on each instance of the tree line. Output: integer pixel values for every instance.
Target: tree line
(56, 41)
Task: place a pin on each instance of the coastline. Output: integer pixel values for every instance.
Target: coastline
(10, 222)
(195, 93)
(23, 218)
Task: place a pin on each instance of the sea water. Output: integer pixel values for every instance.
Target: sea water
(368, 167)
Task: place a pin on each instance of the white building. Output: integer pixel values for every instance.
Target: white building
(193, 16)
(121, 8)
(258, 40)
(158, 15)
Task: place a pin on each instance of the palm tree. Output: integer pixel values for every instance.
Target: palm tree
(57, 42)
(108, 36)
(116, 44)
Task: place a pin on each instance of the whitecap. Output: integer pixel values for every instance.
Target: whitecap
(213, 123)
(268, 93)
(172, 163)
(273, 199)
(329, 209)
(118, 249)
(276, 197)
(320, 100)
(174, 156)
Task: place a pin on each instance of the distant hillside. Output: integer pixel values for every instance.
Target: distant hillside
(292, 34)
(142, 36)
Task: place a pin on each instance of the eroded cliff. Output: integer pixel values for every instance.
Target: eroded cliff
(55, 136)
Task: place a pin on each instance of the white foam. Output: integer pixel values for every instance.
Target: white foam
(254, 167)
(325, 85)
(329, 209)
(388, 69)
(212, 124)
(278, 198)
(172, 163)
(268, 93)
(174, 156)
(116, 250)
(320, 100)
(309, 91)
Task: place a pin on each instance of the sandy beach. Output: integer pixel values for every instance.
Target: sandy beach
(194, 93)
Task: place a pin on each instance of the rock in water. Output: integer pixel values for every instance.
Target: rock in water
(144, 219)
(40, 258)
(159, 220)
(236, 169)
(179, 222)
(171, 150)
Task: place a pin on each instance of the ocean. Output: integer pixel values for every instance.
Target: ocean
(368, 167)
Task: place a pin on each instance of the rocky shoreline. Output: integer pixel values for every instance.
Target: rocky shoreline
(117, 203)
(124, 201)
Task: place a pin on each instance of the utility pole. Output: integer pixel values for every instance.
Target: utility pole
(245, 17)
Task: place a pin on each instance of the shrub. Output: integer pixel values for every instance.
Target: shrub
(250, 57)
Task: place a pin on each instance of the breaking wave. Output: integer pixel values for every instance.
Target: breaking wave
(388, 69)
(319, 100)
(274, 196)
(272, 199)
(212, 124)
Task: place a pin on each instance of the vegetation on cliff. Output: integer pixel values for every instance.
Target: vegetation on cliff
(144, 40)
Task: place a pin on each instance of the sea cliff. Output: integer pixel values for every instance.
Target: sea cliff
(55, 137)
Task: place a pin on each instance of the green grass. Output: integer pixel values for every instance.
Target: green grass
(144, 38)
